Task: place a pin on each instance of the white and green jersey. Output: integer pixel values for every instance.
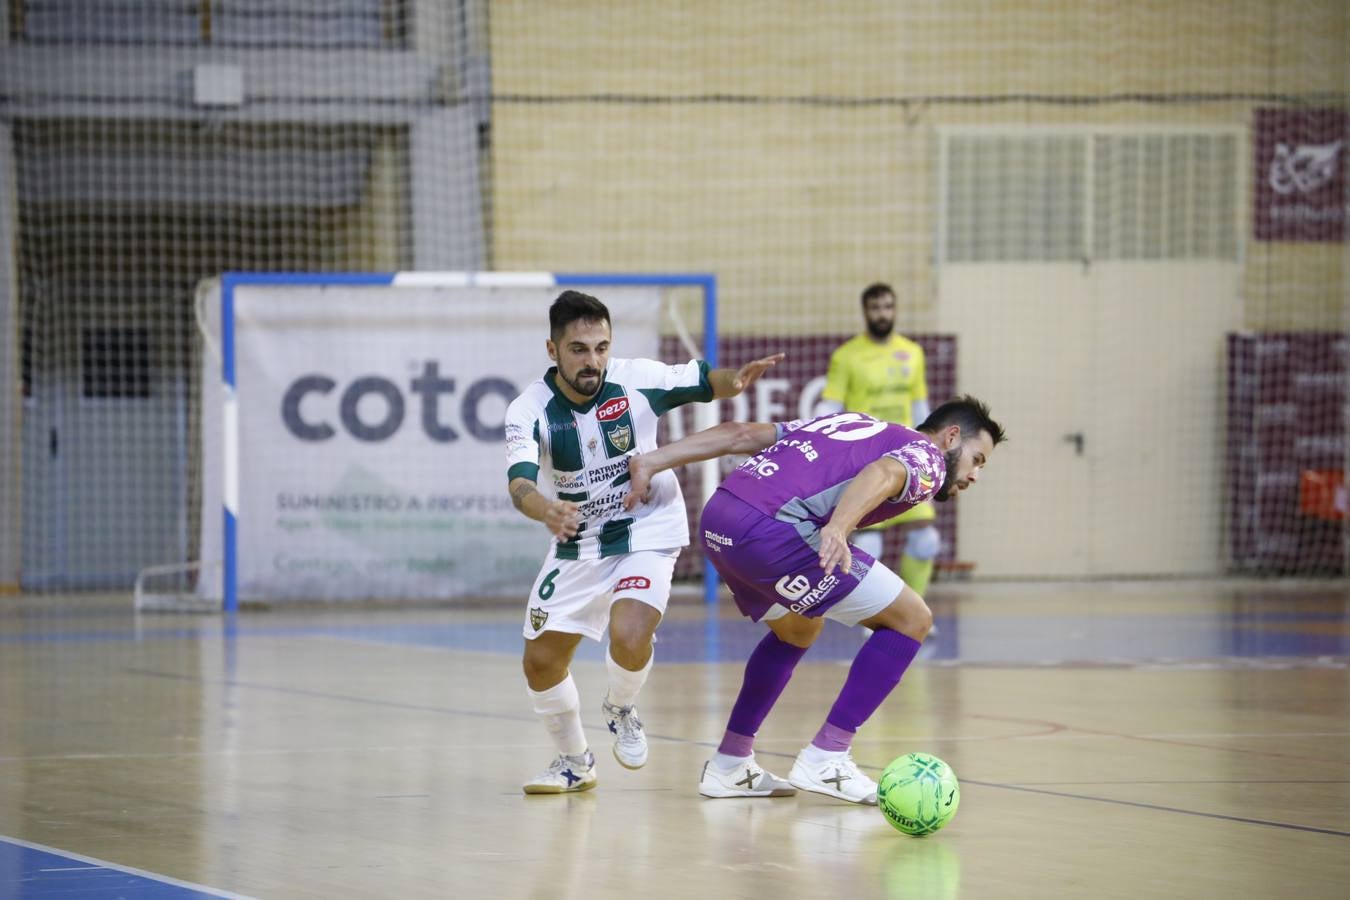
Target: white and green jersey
(580, 453)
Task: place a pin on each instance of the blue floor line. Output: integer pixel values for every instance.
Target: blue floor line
(29, 870)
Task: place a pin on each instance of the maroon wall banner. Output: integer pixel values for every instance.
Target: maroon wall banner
(1300, 191)
(1286, 452)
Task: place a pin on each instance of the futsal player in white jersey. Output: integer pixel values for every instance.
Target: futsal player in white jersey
(571, 434)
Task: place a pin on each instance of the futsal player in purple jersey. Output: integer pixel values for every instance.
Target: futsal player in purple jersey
(777, 531)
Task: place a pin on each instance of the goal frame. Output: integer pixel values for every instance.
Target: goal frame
(231, 281)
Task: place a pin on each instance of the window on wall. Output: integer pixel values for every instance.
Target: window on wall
(227, 23)
(303, 23)
(108, 21)
(115, 363)
(1015, 198)
(1165, 196)
(1058, 197)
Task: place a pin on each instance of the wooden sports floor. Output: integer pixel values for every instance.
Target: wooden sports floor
(1132, 740)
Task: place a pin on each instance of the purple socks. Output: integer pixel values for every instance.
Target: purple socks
(766, 674)
(875, 672)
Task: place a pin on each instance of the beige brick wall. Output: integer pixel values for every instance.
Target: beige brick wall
(789, 147)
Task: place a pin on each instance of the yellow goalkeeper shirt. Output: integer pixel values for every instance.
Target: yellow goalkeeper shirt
(881, 380)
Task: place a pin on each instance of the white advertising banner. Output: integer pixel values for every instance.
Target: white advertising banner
(371, 451)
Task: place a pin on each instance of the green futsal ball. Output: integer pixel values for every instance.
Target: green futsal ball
(918, 793)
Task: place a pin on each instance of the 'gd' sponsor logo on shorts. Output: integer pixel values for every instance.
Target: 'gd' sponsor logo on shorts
(633, 583)
(793, 587)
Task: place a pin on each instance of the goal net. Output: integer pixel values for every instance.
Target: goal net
(355, 440)
(1121, 224)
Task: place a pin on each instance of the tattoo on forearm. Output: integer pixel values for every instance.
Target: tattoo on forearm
(519, 493)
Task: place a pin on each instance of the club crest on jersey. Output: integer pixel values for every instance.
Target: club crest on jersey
(537, 617)
(612, 409)
(620, 436)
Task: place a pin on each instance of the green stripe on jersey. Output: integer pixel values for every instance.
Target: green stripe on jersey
(563, 440)
(571, 548)
(663, 401)
(614, 537)
(528, 471)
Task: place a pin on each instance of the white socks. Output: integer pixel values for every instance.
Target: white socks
(560, 708)
(726, 763)
(623, 684)
(813, 755)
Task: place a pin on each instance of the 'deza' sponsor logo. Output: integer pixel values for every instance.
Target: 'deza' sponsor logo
(633, 583)
(612, 409)
(372, 408)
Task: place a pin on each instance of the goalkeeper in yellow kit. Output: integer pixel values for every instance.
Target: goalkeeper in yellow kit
(882, 374)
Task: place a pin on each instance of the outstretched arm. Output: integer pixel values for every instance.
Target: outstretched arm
(559, 516)
(728, 437)
(730, 382)
(880, 479)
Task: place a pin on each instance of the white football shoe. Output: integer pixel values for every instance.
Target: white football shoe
(832, 774)
(630, 742)
(747, 779)
(565, 775)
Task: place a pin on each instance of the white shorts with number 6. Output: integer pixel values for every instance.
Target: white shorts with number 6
(575, 595)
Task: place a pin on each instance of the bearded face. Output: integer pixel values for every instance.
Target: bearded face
(880, 315)
(953, 457)
(582, 353)
(965, 464)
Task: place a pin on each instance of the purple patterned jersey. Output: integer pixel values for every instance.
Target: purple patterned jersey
(802, 476)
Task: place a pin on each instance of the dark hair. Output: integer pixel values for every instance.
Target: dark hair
(573, 305)
(969, 413)
(878, 289)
